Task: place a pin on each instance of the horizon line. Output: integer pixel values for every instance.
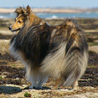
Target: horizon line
(57, 7)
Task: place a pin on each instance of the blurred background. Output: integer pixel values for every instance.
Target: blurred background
(85, 12)
(52, 8)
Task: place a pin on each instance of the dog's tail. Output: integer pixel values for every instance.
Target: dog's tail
(76, 58)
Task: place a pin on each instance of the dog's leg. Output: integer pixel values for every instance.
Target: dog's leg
(57, 83)
(42, 79)
(75, 85)
(30, 76)
(33, 80)
(33, 83)
(38, 80)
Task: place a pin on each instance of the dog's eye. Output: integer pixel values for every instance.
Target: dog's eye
(19, 21)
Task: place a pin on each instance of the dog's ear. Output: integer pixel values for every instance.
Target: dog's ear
(28, 9)
(18, 10)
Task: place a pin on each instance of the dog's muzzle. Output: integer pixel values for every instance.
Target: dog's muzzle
(13, 30)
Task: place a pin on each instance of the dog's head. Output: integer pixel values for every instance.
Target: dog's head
(22, 15)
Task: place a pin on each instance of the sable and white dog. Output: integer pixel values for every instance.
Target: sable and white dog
(60, 51)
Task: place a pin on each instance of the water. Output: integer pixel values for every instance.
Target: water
(56, 15)
(68, 15)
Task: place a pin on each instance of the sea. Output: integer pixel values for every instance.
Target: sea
(54, 15)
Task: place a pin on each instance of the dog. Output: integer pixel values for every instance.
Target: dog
(58, 51)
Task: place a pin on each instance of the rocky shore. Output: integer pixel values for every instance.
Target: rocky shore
(12, 73)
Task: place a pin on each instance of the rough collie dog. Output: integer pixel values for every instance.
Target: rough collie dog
(60, 51)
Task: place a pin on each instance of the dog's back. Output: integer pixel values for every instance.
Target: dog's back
(68, 56)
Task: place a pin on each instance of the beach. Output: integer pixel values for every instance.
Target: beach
(48, 10)
(12, 73)
(53, 10)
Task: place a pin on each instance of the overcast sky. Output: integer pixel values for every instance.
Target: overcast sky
(50, 3)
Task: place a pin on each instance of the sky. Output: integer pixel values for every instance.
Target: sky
(50, 3)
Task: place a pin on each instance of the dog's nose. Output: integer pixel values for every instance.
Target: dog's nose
(10, 27)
